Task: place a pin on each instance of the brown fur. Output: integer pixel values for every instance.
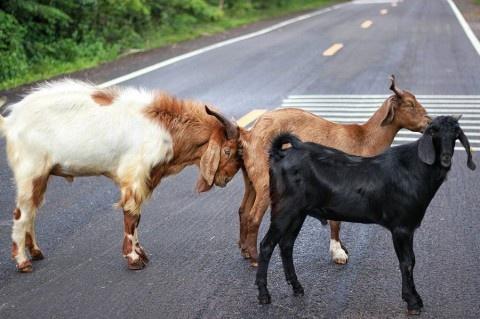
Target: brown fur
(28, 241)
(367, 139)
(17, 213)
(38, 189)
(130, 223)
(195, 136)
(58, 171)
(105, 97)
(14, 250)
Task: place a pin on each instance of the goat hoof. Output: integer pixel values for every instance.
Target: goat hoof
(253, 263)
(25, 267)
(36, 254)
(245, 254)
(414, 312)
(143, 255)
(137, 264)
(419, 301)
(340, 257)
(264, 299)
(298, 291)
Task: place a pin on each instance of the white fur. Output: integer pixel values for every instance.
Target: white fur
(61, 123)
(339, 255)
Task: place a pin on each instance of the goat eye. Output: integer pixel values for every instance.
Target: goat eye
(226, 151)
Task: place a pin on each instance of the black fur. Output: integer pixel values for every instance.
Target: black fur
(393, 190)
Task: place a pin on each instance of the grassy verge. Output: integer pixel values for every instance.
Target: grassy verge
(161, 37)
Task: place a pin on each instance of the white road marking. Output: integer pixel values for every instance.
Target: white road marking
(221, 44)
(357, 108)
(383, 12)
(372, 1)
(468, 31)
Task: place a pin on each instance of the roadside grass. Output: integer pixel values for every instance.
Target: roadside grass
(160, 37)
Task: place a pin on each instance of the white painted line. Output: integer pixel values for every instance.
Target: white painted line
(330, 105)
(362, 113)
(405, 132)
(364, 119)
(432, 111)
(467, 103)
(394, 4)
(379, 96)
(185, 56)
(416, 138)
(457, 148)
(383, 12)
(371, 1)
(468, 31)
(366, 24)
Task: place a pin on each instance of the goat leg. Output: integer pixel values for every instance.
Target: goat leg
(403, 243)
(286, 251)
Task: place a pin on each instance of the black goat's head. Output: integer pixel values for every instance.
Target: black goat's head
(438, 142)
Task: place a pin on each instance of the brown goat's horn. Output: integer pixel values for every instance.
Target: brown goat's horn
(230, 129)
(394, 87)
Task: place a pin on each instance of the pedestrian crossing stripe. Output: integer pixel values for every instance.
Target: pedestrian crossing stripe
(358, 108)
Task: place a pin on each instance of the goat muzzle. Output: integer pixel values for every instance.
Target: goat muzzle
(446, 159)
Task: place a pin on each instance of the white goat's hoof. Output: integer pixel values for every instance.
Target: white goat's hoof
(339, 255)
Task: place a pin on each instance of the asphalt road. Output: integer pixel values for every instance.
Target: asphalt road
(196, 270)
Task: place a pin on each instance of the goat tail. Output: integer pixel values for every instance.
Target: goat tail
(277, 152)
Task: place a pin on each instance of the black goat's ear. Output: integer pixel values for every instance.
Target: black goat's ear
(464, 140)
(426, 150)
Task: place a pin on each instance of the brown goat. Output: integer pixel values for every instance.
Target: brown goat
(401, 110)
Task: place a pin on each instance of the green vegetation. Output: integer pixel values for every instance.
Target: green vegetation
(43, 38)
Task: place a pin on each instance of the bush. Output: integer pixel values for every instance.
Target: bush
(13, 61)
(38, 35)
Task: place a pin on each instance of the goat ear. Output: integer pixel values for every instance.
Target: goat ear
(210, 159)
(464, 140)
(392, 103)
(202, 185)
(426, 150)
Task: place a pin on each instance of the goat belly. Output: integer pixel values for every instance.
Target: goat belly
(349, 216)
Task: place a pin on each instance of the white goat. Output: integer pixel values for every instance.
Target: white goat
(133, 136)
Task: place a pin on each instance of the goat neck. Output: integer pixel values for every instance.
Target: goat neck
(378, 137)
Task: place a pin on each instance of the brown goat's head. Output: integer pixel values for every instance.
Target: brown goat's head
(221, 160)
(405, 111)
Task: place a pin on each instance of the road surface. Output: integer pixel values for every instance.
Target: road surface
(196, 270)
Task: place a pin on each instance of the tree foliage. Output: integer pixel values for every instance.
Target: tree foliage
(44, 32)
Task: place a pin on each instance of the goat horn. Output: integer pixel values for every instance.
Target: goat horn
(394, 87)
(231, 130)
(457, 116)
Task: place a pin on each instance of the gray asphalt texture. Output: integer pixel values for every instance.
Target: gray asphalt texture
(196, 270)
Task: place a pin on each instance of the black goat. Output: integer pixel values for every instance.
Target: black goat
(393, 190)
